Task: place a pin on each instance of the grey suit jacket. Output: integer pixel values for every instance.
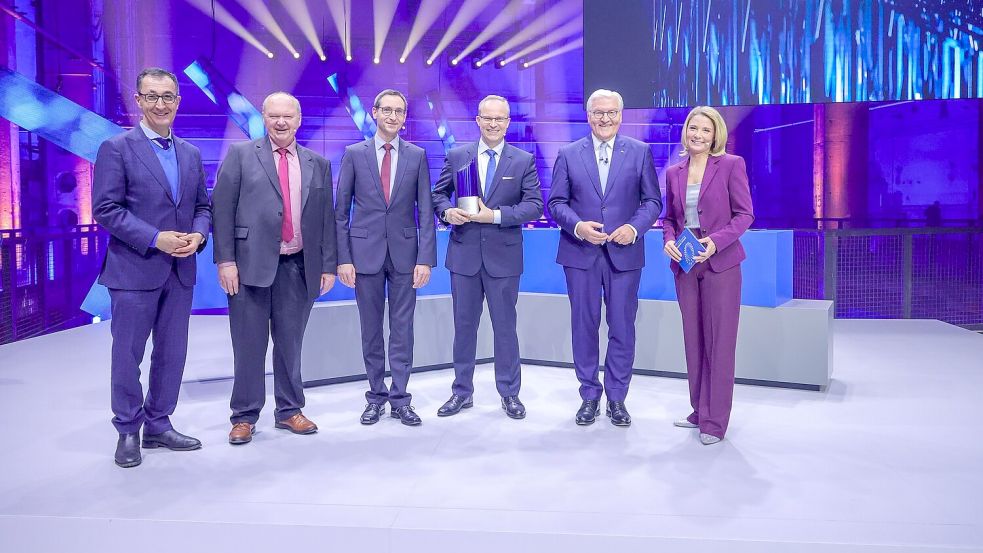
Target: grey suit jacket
(247, 212)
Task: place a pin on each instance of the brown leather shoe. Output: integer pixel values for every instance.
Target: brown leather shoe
(242, 433)
(298, 424)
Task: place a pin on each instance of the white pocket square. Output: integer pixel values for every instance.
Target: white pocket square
(507, 178)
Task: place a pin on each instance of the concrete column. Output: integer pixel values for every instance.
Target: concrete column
(840, 160)
(69, 178)
(9, 141)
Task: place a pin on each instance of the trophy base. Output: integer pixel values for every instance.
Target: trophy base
(469, 204)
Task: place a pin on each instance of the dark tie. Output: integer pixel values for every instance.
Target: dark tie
(489, 173)
(287, 226)
(164, 142)
(386, 172)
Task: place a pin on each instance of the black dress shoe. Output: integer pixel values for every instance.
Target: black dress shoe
(513, 407)
(406, 415)
(372, 413)
(171, 439)
(454, 405)
(618, 413)
(128, 450)
(588, 412)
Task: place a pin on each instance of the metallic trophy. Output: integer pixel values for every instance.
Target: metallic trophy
(468, 188)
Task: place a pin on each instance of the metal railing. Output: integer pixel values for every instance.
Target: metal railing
(44, 276)
(901, 273)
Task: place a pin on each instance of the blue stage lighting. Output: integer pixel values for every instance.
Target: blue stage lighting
(440, 120)
(219, 90)
(360, 115)
(54, 118)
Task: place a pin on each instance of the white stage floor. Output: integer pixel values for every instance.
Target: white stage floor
(889, 458)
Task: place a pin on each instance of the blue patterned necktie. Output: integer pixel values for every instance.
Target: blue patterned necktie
(603, 166)
(165, 143)
(489, 173)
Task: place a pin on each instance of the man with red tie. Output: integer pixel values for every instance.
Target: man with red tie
(386, 241)
(274, 243)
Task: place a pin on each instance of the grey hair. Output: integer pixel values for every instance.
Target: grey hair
(282, 93)
(602, 93)
(491, 97)
(158, 73)
(390, 92)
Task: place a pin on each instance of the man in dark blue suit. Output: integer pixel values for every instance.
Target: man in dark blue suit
(484, 254)
(605, 196)
(149, 193)
(386, 239)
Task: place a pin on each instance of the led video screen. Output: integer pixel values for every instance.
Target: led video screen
(675, 53)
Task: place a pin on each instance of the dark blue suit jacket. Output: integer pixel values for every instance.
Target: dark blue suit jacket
(132, 199)
(632, 196)
(515, 192)
(371, 228)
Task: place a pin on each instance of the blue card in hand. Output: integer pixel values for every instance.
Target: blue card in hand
(690, 247)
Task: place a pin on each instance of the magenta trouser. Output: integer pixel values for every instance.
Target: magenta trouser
(710, 304)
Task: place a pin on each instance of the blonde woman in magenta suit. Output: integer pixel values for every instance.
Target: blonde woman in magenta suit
(708, 192)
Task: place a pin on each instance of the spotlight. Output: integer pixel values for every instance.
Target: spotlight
(402, 60)
(523, 64)
(453, 62)
(296, 55)
(269, 55)
(324, 58)
(375, 61)
(429, 62)
(500, 63)
(476, 61)
(348, 58)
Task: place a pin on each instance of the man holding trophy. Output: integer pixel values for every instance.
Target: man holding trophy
(497, 190)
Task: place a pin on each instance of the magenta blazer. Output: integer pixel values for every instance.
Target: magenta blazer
(724, 207)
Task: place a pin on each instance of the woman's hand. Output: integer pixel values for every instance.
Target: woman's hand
(711, 249)
(672, 251)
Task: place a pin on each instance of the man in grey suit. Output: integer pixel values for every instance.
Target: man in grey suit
(484, 254)
(149, 193)
(274, 233)
(386, 240)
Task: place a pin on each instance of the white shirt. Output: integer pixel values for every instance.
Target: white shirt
(380, 152)
(483, 169)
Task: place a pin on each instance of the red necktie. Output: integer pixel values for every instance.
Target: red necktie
(287, 227)
(387, 162)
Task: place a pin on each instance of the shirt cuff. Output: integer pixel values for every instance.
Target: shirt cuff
(226, 264)
(153, 241)
(498, 216)
(575, 233)
(635, 230)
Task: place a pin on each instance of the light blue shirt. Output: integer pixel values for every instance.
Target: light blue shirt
(483, 168)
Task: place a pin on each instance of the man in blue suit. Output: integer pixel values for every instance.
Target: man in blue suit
(386, 239)
(149, 193)
(484, 254)
(605, 196)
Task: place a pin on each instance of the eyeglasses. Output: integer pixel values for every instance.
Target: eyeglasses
(597, 114)
(497, 120)
(153, 97)
(389, 111)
